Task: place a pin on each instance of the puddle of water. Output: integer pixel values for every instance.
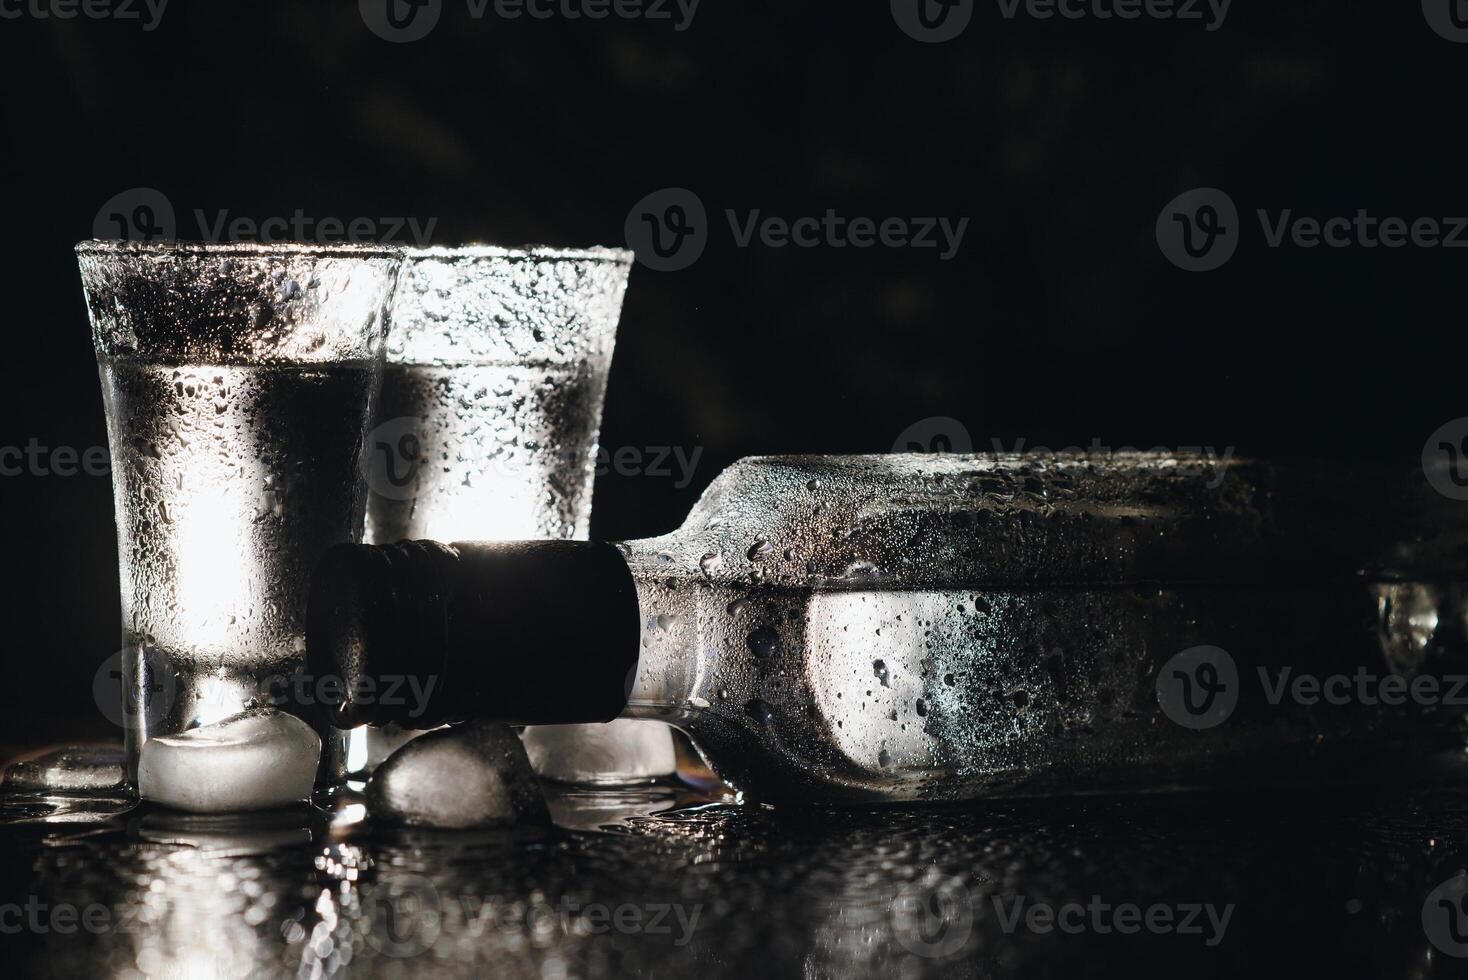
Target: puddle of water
(664, 881)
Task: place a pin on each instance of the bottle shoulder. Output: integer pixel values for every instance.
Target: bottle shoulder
(940, 520)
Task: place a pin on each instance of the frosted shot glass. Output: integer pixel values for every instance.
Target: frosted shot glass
(487, 429)
(239, 382)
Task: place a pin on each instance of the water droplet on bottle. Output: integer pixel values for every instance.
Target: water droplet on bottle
(710, 563)
(760, 548)
(922, 708)
(884, 758)
(738, 607)
(763, 642)
(665, 622)
(879, 671)
(761, 712)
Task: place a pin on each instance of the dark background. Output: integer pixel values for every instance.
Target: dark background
(1059, 321)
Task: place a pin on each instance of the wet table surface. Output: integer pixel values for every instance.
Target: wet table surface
(658, 882)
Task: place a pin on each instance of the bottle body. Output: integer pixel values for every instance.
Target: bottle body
(905, 628)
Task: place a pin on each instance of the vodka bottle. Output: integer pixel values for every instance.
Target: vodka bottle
(888, 628)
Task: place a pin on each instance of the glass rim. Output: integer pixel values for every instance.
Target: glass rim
(123, 247)
(522, 253)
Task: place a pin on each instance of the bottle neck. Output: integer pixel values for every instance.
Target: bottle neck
(527, 633)
(671, 655)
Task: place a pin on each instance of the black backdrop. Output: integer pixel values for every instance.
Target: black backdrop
(1059, 321)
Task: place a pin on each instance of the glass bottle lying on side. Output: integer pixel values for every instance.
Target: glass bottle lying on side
(846, 629)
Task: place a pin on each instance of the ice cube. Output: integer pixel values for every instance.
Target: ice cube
(471, 775)
(76, 770)
(383, 742)
(251, 761)
(621, 751)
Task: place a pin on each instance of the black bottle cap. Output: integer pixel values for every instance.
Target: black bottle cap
(524, 632)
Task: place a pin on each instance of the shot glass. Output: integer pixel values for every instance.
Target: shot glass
(487, 429)
(239, 382)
